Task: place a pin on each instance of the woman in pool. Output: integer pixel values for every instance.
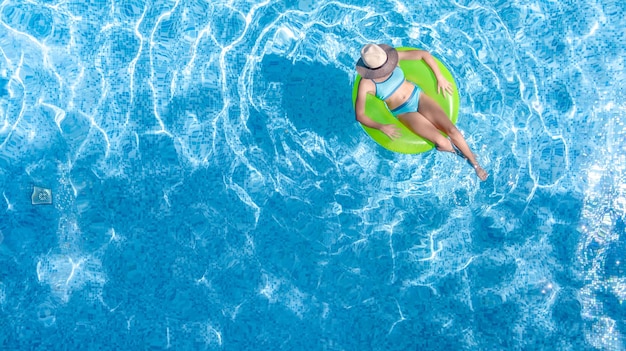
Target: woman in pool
(383, 78)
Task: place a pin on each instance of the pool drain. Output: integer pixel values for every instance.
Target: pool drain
(41, 196)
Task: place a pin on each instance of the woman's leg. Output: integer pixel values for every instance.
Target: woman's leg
(435, 114)
(421, 126)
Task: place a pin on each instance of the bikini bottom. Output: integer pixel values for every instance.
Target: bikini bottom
(410, 105)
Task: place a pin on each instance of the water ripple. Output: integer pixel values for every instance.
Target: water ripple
(229, 126)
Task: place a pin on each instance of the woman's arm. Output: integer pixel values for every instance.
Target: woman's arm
(442, 84)
(389, 129)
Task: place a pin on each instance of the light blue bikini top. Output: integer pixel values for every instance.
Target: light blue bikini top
(390, 85)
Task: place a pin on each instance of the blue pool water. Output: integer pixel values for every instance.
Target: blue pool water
(211, 189)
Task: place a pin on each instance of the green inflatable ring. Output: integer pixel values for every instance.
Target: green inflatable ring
(416, 71)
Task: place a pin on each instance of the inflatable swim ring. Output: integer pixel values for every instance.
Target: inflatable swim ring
(418, 72)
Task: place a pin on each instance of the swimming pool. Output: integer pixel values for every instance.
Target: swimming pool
(212, 190)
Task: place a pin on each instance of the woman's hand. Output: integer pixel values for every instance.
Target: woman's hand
(443, 86)
(391, 131)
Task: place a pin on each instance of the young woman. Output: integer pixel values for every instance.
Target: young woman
(382, 77)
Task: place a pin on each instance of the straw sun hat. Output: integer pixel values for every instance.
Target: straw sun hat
(377, 60)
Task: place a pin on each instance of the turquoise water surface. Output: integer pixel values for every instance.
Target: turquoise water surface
(211, 189)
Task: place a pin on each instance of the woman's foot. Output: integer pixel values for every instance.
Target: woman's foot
(480, 172)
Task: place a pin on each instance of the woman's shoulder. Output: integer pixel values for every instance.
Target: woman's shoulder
(364, 82)
(367, 85)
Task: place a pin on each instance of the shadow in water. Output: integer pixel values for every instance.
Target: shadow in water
(315, 98)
